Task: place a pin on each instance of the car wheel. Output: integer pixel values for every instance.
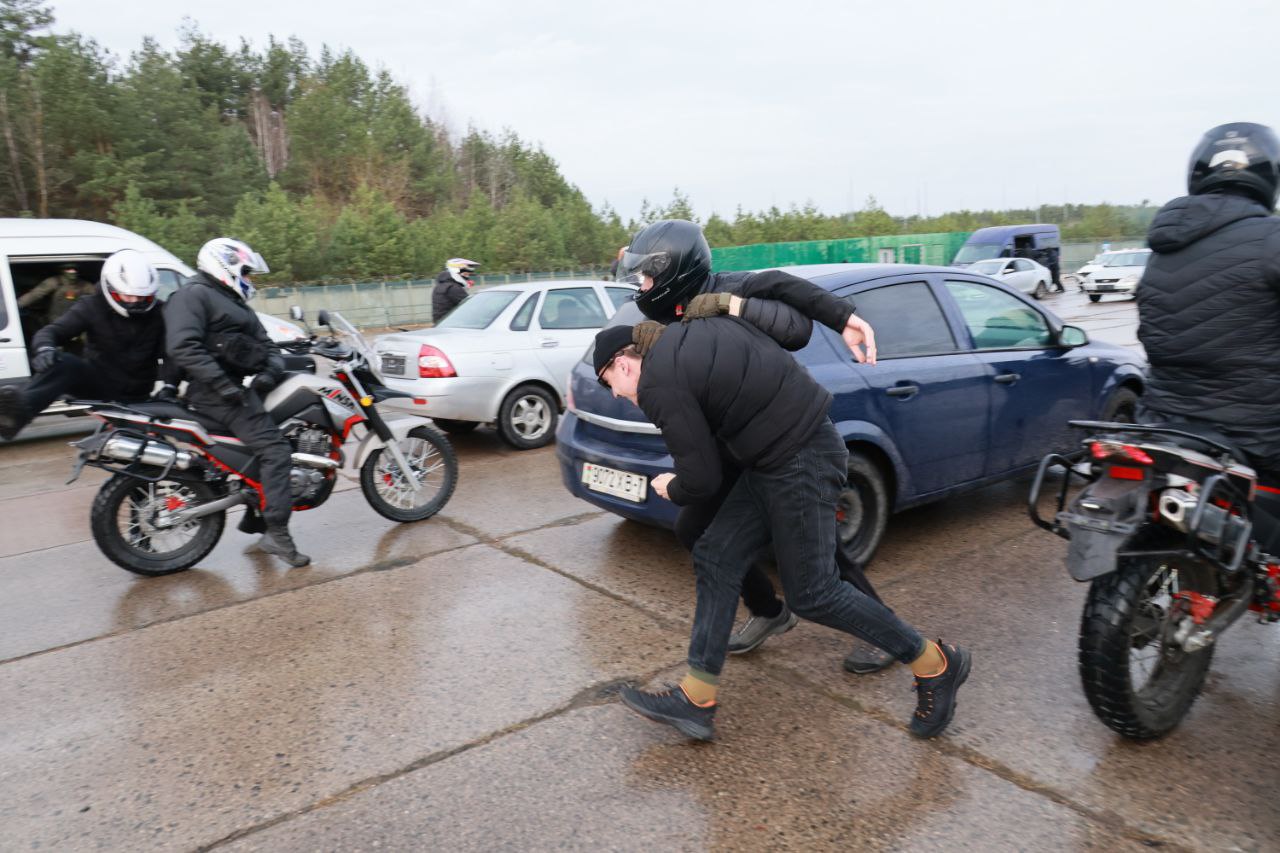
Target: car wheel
(1042, 290)
(455, 427)
(862, 509)
(1122, 407)
(527, 418)
(1094, 297)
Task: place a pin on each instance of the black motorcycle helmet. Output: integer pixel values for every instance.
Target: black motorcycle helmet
(676, 255)
(1241, 157)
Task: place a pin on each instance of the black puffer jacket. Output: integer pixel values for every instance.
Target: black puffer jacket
(1209, 311)
(127, 350)
(723, 380)
(445, 296)
(203, 318)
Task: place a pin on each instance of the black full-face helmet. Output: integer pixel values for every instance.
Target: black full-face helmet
(675, 254)
(1240, 157)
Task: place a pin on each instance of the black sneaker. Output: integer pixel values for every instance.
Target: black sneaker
(669, 705)
(936, 697)
(866, 659)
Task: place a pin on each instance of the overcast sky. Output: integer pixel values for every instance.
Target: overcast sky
(930, 106)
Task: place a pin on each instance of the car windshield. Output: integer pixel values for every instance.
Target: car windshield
(987, 267)
(478, 310)
(971, 252)
(1126, 259)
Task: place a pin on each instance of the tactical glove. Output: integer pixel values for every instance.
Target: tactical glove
(707, 305)
(645, 334)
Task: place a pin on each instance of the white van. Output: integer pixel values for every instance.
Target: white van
(31, 250)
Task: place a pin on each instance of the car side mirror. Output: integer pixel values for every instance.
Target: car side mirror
(296, 313)
(1072, 336)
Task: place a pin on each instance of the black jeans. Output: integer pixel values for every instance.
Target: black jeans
(794, 504)
(251, 424)
(72, 376)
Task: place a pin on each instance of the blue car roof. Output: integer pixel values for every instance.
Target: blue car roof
(825, 275)
(1002, 233)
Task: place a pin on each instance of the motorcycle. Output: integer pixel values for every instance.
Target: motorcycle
(175, 472)
(1178, 541)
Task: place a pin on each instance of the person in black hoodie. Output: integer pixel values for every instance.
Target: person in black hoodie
(124, 345)
(451, 287)
(1209, 300)
(721, 381)
(670, 262)
(218, 341)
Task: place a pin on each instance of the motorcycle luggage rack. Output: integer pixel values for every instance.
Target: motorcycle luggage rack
(1037, 487)
(1226, 555)
(1155, 430)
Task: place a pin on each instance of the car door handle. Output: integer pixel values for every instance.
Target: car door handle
(548, 343)
(903, 390)
(1007, 378)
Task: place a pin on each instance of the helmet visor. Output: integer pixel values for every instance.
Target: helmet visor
(635, 264)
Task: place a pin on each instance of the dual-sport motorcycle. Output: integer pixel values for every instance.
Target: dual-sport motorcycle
(1178, 541)
(175, 472)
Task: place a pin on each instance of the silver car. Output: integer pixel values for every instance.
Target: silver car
(502, 356)
(1118, 272)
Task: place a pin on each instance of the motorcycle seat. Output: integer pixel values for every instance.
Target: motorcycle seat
(174, 411)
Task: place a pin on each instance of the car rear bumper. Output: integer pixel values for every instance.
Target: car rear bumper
(578, 441)
(457, 398)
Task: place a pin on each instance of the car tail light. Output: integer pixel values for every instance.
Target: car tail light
(1122, 452)
(568, 391)
(433, 364)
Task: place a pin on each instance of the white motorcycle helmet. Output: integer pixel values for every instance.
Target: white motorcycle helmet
(128, 274)
(460, 268)
(231, 262)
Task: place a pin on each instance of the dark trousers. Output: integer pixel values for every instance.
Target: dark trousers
(74, 377)
(251, 424)
(794, 505)
(757, 590)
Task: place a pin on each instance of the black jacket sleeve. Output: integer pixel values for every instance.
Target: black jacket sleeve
(275, 358)
(780, 321)
(186, 321)
(455, 294)
(66, 328)
(690, 441)
(805, 296)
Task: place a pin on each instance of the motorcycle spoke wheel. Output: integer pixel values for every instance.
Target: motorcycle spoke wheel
(432, 465)
(127, 524)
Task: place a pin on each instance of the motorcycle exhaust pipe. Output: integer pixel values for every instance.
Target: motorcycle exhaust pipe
(125, 448)
(1176, 506)
(182, 516)
(311, 460)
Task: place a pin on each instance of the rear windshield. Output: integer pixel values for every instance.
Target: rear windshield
(478, 310)
(1126, 259)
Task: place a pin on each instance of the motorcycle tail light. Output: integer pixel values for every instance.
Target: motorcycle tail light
(1127, 452)
(434, 364)
(1124, 472)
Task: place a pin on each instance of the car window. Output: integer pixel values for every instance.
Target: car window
(1021, 265)
(524, 316)
(478, 310)
(620, 296)
(1127, 259)
(169, 280)
(571, 308)
(907, 319)
(988, 267)
(997, 320)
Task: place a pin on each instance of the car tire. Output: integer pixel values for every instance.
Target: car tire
(527, 417)
(1094, 297)
(453, 427)
(1122, 407)
(862, 509)
(1042, 290)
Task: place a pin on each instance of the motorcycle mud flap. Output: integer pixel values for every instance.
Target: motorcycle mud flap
(1101, 520)
(1092, 553)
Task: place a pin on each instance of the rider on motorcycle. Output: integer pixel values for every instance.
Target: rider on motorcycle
(124, 343)
(1209, 302)
(218, 341)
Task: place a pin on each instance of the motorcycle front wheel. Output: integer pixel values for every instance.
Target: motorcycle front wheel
(124, 524)
(1139, 681)
(434, 466)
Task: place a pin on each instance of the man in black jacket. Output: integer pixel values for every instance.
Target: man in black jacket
(720, 381)
(670, 262)
(1209, 301)
(451, 287)
(218, 341)
(124, 344)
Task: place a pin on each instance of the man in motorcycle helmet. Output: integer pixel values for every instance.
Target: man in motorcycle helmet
(123, 346)
(1209, 301)
(670, 262)
(451, 287)
(215, 337)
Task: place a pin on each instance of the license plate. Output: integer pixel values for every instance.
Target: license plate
(393, 364)
(610, 481)
(1107, 287)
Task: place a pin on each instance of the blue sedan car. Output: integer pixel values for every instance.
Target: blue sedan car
(975, 383)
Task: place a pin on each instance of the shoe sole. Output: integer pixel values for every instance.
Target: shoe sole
(938, 729)
(791, 623)
(685, 727)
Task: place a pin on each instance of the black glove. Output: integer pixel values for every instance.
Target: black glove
(46, 357)
(264, 382)
(232, 395)
(166, 394)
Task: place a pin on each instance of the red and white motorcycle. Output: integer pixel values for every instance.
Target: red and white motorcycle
(175, 473)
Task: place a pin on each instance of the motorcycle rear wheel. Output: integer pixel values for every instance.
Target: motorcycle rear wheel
(1138, 681)
(122, 520)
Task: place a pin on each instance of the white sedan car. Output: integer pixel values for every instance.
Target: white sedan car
(1020, 273)
(502, 356)
(1117, 272)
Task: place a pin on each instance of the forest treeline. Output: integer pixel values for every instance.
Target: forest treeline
(326, 166)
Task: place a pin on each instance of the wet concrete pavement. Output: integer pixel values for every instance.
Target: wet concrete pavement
(450, 685)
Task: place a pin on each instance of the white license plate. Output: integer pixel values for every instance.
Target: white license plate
(611, 481)
(393, 364)
(1105, 287)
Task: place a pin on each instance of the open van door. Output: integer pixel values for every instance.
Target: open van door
(13, 350)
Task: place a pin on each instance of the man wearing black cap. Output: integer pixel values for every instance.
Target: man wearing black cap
(721, 380)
